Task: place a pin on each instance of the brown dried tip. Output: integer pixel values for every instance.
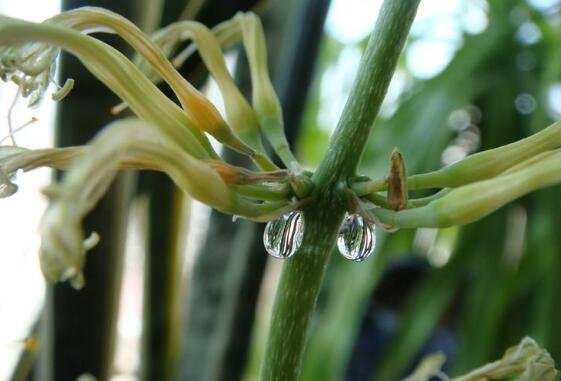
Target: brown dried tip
(397, 182)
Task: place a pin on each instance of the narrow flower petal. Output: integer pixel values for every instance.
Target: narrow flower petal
(239, 113)
(199, 109)
(109, 66)
(265, 100)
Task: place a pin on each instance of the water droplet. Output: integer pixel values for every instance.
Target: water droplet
(283, 236)
(356, 239)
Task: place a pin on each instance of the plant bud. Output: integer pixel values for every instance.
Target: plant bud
(397, 182)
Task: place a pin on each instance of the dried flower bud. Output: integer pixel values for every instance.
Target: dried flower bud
(397, 182)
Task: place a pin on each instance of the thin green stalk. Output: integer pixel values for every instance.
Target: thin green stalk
(263, 191)
(474, 201)
(422, 201)
(301, 278)
(479, 166)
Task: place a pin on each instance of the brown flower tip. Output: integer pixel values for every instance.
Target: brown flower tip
(397, 182)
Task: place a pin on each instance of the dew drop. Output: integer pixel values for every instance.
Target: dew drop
(356, 239)
(283, 236)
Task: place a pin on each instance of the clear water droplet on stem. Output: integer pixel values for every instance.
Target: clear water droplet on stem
(356, 239)
(283, 236)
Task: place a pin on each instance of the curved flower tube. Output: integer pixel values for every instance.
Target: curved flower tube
(239, 113)
(248, 28)
(479, 166)
(90, 174)
(113, 69)
(197, 107)
(471, 202)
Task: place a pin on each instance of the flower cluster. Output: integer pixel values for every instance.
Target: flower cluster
(173, 138)
(162, 136)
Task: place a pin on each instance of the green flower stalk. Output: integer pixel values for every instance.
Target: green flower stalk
(302, 275)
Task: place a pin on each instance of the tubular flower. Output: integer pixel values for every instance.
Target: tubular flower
(163, 136)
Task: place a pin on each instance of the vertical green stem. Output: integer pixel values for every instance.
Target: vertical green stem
(302, 275)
